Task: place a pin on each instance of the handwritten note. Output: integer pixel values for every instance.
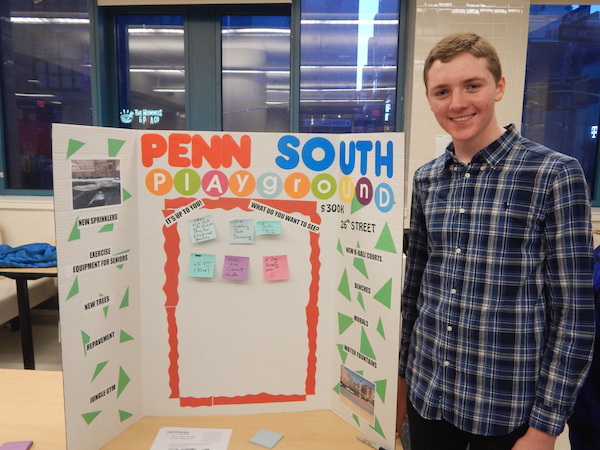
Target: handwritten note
(236, 268)
(201, 265)
(202, 229)
(241, 231)
(268, 227)
(275, 268)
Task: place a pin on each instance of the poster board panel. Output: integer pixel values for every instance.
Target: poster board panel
(264, 276)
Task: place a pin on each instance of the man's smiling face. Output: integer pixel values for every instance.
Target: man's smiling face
(462, 94)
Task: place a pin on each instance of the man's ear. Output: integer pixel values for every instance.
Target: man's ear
(500, 87)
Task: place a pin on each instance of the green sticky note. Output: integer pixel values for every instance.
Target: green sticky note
(201, 265)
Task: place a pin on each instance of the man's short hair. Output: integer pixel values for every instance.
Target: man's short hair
(457, 43)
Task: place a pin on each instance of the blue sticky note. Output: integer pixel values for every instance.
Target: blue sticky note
(266, 438)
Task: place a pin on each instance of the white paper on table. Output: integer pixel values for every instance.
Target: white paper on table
(169, 438)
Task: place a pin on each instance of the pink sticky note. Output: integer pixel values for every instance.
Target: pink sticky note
(275, 268)
(236, 268)
(19, 445)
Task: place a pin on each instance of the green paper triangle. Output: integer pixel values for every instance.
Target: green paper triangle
(99, 368)
(344, 286)
(124, 415)
(344, 322)
(336, 388)
(384, 295)
(355, 205)
(361, 302)
(123, 381)
(89, 417)
(105, 309)
(73, 147)
(377, 428)
(386, 241)
(106, 228)
(339, 248)
(343, 353)
(365, 346)
(359, 264)
(124, 337)
(75, 233)
(125, 300)
(380, 329)
(126, 195)
(74, 288)
(356, 419)
(381, 388)
(114, 147)
(85, 338)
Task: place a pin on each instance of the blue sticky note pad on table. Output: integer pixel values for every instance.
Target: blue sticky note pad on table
(266, 438)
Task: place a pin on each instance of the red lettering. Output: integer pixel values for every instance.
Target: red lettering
(177, 148)
(153, 146)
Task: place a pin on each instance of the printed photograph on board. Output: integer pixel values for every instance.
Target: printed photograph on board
(95, 182)
(357, 394)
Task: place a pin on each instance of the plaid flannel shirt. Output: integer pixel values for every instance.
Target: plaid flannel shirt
(497, 307)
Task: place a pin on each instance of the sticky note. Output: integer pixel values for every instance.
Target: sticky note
(241, 231)
(236, 268)
(275, 268)
(18, 445)
(268, 227)
(201, 265)
(266, 438)
(202, 229)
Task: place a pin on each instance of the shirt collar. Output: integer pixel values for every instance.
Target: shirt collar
(493, 153)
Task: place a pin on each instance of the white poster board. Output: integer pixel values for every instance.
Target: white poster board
(212, 273)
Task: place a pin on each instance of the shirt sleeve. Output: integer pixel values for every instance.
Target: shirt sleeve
(415, 266)
(570, 301)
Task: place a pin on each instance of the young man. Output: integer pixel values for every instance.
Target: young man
(497, 308)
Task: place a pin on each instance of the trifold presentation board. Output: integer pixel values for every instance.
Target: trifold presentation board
(215, 273)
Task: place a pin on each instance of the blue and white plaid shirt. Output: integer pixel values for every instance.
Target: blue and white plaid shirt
(497, 307)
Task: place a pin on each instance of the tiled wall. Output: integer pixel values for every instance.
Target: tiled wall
(503, 22)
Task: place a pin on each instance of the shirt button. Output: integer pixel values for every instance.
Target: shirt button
(467, 175)
(449, 328)
(453, 291)
(446, 363)
(458, 250)
(461, 210)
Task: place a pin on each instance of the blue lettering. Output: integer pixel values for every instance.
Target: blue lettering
(347, 161)
(364, 147)
(285, 147)
(384, 160)
(328, 155)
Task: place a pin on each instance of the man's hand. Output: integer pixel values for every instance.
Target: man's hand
(401, 406)
(535, 440)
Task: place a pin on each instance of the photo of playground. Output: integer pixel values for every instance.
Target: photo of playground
(95, 182)
(357, 394)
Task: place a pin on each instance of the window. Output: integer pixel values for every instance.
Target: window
(310, 66)
(562, 86)
(45, 49)
(256, 72)
(348, 66)
(151, 71)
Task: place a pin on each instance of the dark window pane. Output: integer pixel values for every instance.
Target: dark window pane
(348, 65)
(151, 71)
(562, 86)
(256, 72)
(45, 79)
